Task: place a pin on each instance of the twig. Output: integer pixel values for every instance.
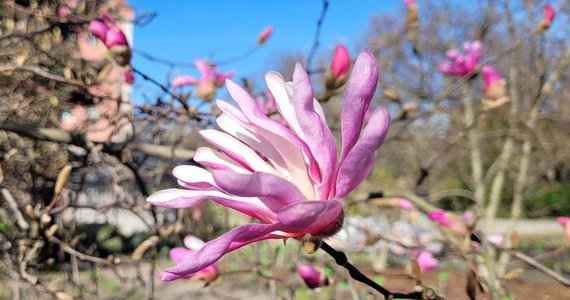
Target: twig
(14, 207)
(535, 264)
(316, 41)
(60, 136)
(66, 248)
(163, 88)
(341, 260)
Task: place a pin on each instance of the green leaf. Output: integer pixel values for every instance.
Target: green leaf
(342, 285)
(329, 271)
(443, 276)
(264, 261)
(3, 227)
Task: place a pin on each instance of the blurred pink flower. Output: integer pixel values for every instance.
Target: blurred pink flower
(427, 261)
(461, 65)
(496, 239)
(548, 16)
(409, 3)
(494, 82)
(406, 205)
(340, 62)
(448, 220)
(129, 77)
(310, 275)
(179, 254)
(183, 80)
(265, 35)
(468, 216)
(565, 222)
(289, 178)
(107, 32)
(98, 29)
(210, 81)
(63, 11)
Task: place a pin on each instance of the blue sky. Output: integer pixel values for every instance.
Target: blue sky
(216, 29)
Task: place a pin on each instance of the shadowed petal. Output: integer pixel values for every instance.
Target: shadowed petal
(359, 91)
(255, 116)
(360, 161)
(238, 151)
(178, 254)
(275, 192)
(229, 125)
(317, 134)
(178, 198)
(215, 249)
(289, 151)
(310, 216)
(217, 160)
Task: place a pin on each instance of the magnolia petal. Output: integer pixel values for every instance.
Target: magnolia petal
(360, 161)
(229, 125)
(217, 160)
(178, 198)
(215, 249)
(357, 96)
(235, 149)
(183, 80)
(310, 216)
(193, 243)
(193, 177)
(204, 69)
(254, 115)
(179, 254)
(276, 85)
(275, 192)
(317, 134)
(291, 153)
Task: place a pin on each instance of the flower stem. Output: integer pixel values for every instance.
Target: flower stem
(341, 260)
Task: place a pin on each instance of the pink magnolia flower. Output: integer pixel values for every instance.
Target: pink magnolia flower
(468, 216)
(406, 205)
(310, 275)
(210, 81)
(461, 65)
(448, 220)
(98, 29)
(548, 16)
(412, 14)
(565, 222)
(63, 11)
(496, 239)
(494, 82)
(288, 178)
(179, 254)
(340, 63)
(129, 77)
(107, 32)
(266, 104)
(264, 35)
(427, 261)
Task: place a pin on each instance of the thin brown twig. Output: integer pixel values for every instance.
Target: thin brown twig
(316, 40)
